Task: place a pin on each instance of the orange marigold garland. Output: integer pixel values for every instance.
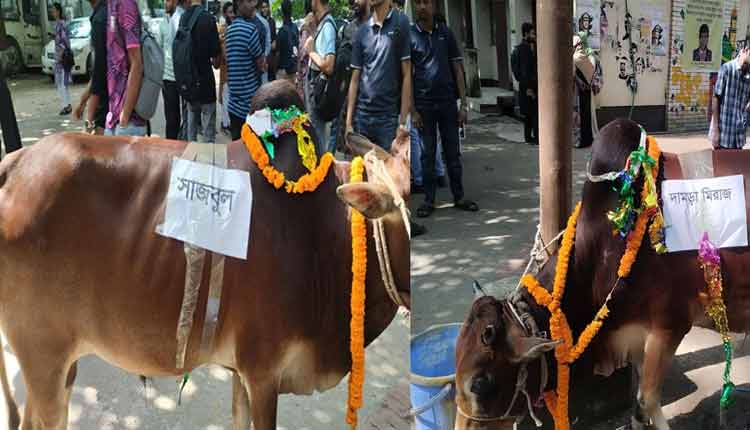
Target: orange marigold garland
(567, 352)
(357, 330)
(306, 183)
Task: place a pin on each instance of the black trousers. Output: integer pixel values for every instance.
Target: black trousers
(11, 135)
(235, 126)
(531, 120)
(172, 109)
(444, 117)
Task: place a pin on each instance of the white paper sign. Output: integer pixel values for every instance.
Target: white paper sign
(694, 206)
(209, 207)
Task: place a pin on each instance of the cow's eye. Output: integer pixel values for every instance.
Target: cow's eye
(482, 385)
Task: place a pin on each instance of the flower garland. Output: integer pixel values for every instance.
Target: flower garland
(708, 256)
(306, 183)
(567, 352)
(357, 331)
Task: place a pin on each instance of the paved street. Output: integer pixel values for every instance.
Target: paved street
(493, 245)
(106, 398)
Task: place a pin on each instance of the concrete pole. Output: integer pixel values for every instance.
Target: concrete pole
(554, 69)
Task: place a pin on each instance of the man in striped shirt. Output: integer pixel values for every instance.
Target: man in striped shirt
(731, 102)
(245, 64)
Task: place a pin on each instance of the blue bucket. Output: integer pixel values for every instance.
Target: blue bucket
(433, 372)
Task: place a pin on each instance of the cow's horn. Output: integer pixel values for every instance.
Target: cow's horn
(361, 145)
(478, 290)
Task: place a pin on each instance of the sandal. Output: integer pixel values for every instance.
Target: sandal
(466, 205)
(425, 210)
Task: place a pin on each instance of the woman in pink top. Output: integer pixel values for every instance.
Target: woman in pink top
(62, 76)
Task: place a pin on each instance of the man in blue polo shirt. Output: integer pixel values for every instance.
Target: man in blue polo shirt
(380, 90)
(245, 63)
(437, 60)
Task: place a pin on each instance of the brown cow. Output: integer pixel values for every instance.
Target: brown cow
(499, 357)
(83, 271)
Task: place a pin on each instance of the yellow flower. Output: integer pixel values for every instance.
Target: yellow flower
(356, 325)
(306, 183)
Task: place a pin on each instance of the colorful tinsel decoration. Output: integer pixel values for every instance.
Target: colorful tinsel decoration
(645, 158)
(708, 255)
(291, 120)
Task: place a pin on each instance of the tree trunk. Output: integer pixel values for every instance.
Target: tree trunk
(555, 46)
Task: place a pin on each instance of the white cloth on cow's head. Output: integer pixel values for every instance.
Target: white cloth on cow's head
(260, 121)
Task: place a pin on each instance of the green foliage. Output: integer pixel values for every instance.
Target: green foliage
(339, 8)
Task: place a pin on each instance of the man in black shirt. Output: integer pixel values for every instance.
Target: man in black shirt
(287, 42)
(273, 60)
(527, 83)
(206, 54)
(96, 95)
(438, 83)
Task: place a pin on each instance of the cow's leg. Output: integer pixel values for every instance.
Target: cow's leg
(240, 404)
(658, 353)
(638, 421)
(49, 381)
(264, 394)
(13, 419)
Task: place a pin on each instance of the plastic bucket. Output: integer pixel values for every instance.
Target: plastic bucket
(433, 372)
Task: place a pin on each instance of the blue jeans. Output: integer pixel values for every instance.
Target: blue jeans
(380, 129)
(416, 157)
(128, 130)
(203, 116)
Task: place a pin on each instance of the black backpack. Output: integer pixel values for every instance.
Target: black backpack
(185, 71)
(329, 92)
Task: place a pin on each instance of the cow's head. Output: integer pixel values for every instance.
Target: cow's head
(375, 200)
(492, 350)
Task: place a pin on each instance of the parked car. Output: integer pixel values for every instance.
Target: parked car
(79, 32)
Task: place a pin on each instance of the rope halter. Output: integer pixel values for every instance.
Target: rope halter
(378, 173)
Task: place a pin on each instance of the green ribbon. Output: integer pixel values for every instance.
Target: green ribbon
(270, 148)
(281, 115)
(185, 378)
(726, 392)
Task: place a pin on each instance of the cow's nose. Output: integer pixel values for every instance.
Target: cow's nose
(481, 385)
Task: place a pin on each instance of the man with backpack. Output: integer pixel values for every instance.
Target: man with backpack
(287, 41)
(322, 49)
(196, 52)
(171, 93)
(523, 65)
(124, 68)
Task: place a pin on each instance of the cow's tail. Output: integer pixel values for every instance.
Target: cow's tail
(14, 419)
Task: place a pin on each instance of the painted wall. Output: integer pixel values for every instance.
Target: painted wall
(650, 55)
(689, 92)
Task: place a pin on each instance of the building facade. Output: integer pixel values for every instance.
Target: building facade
(653, 47)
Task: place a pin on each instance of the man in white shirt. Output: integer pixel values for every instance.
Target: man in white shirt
(172, 102)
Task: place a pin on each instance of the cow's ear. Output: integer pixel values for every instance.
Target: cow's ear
(372, 200)
(361, 145)
(525, 348)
